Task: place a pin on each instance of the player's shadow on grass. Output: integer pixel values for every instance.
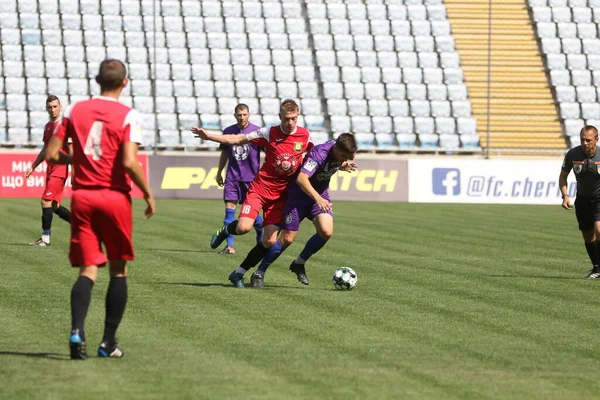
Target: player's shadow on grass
(51, 356)
(182, 250)
(226, 285)
(536, 276)
(202, 284)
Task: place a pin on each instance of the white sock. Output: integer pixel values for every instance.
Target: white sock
(240, 270)
(46, 238)
(300, 260)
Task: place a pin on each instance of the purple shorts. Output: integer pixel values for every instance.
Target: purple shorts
(234, 191)
(295, 211)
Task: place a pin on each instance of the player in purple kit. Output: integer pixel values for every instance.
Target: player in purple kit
(308, 197)
(243, 164)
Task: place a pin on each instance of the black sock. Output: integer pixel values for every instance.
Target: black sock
(46, 218)
(63, 213)
(81, 296)
(116, 299)
(231, 228)
(254, 256)
(592, 250)
(597, 242)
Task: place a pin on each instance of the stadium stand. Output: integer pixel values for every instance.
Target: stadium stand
(385, 70)
(568, 32)
(523, 114)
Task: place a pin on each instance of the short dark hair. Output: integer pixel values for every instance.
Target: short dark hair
(346, 143)
(242, 106)
(289, 105)
(52, 98)
(589, 128)
(111, 74)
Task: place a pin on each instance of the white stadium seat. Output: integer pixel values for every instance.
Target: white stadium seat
(348, 62)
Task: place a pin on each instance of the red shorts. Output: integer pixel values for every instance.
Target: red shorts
(100, 216)
(54, 188)
(272, 208)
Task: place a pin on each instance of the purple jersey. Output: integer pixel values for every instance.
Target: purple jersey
(244, 160)
(320, 166)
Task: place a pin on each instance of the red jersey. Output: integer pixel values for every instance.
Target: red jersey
(283, 157)
(99, 127)
(59, 171)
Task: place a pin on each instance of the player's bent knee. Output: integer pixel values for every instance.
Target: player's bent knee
(287, 238)
(286, 242)
(589, 236)
(90, 272)
(244, 225)
(242, 229)
(325, 231)
(118, 268)
(326, 234)
(268, 242)
(596, 230)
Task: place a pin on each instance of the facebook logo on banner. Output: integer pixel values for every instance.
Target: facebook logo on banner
(446, 181)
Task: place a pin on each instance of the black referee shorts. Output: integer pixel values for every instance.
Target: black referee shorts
(587, 210)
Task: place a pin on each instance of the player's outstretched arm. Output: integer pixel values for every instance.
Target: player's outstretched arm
(40, 157)
(53, 153)
(303, 182)
(223, 139)
(133, 169)
(562, 184)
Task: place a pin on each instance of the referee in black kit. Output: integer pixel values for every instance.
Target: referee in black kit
(584, 160)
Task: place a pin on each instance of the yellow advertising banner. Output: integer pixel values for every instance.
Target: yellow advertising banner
(195, 177)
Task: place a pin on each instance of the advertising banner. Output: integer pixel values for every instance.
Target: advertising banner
(447, 180)
(12, 176)
(194, 177)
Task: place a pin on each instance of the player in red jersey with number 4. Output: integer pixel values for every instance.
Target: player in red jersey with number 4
(284, 147)
(105, 136)
(56, 176)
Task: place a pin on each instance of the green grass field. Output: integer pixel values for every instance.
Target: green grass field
(453, 302)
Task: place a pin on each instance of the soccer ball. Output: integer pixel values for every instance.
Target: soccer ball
(344, 278)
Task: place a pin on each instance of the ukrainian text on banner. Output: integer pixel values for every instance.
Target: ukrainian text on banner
(445, 180)
(195, 177)
(12, 176)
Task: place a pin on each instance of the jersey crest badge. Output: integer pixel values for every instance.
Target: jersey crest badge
(297, 146)
(285, 164)
(241, 152)
(577, 168)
